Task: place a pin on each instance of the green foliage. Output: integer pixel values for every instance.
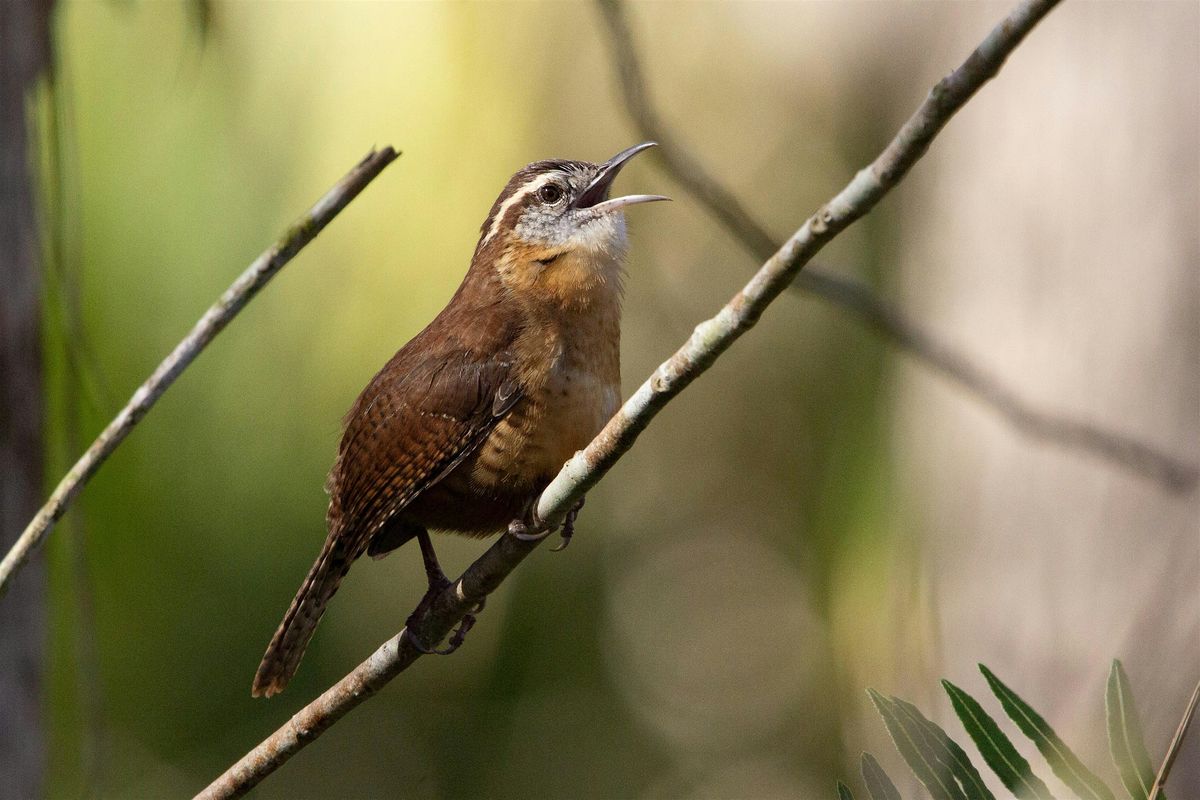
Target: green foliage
(999, 753)
(936, 760)
(1125, 740)
(879, 785)
(960, 765)
(946, 770)
(1069, 769)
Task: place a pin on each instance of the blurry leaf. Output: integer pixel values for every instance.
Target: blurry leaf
(1125, 740)
(996, 749)
(879, 785)
(844, 792)
(912, 740)
(1069, 769)
(948, 752)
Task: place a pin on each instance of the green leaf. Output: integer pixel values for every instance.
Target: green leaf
(996, 749)
(879, 785)
(1125, 740)
(1069, 769)
(913, 743)
(844, 792)
(948, 752)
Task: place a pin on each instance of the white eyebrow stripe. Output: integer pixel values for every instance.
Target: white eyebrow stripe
(517, 196)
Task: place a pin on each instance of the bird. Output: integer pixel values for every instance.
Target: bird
(471, 419)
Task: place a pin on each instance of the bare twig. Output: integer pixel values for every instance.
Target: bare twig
(1160, 780)
(858, 299)
(707, 342)
(213, 322)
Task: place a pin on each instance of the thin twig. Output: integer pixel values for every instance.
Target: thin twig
(588, 466)
(858, 299)
(214, 320)
(1160, 780)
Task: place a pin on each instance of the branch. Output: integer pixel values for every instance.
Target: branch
(213, 322)
(1160, 780)
(393, 657)
(858, 299)
(587, 467)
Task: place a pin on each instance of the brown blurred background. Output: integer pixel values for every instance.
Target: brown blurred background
(817, 515)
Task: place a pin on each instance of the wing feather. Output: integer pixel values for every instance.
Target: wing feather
(408, 430)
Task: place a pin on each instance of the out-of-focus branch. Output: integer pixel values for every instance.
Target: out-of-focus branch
(213, 322)
(711, 338)
(1160, 780)
(860, 301)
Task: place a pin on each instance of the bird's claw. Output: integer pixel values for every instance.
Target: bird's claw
(456, 638)
(438, 583)
(568, 528)
(532, 531)
(519, 529)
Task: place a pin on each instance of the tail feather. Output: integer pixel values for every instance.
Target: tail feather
(283, 654)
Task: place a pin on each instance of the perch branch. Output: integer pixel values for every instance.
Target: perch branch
(393, 657)
(860, 301)
(214, 320)
(588, 466)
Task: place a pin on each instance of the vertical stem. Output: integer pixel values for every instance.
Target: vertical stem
(24, 54)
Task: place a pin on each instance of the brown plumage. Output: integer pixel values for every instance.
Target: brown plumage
(468, 422)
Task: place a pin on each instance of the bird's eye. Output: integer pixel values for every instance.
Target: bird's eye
(550, 194)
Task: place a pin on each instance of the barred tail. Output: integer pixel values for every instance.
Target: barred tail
(300, 622)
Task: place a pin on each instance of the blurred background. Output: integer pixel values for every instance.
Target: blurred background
(819, 514)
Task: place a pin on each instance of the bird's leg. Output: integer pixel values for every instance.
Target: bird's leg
(433, 569)
(438, 582)
(568, 527)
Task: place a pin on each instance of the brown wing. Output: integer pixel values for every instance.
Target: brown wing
(425, 411)
(410, 427)
(418, 418)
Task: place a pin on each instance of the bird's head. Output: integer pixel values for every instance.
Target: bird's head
(555, 234)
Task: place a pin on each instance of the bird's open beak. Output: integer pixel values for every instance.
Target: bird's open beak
(593, 196)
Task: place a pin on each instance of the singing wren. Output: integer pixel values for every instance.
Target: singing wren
(470, 420)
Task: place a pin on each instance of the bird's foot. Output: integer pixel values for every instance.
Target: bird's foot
(456, 638)
(520, 529)
(531, 529)
(438, 583)
(568, 528)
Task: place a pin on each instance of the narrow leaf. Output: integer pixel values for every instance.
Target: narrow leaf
(1069, 769)
(996, 749)
(1125, 740)
(948, 752)
(879, 785)
(844, 792)
(911, 741)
